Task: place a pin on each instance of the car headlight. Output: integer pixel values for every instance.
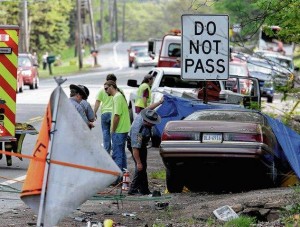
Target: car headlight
(26, 72)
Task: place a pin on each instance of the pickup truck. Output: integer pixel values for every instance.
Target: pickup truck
(166, 80)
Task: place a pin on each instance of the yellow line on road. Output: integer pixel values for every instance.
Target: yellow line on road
(35, 119)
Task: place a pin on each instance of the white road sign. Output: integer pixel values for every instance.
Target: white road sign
(205, 47)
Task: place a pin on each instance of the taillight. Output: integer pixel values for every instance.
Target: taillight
(243, 137)
(167, 135)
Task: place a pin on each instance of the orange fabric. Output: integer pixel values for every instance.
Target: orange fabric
(35, 173)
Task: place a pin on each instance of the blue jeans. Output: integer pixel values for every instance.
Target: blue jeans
(105, 124)
(118, 149)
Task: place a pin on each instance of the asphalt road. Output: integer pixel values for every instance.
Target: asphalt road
(31, 106)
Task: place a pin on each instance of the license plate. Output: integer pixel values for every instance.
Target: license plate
(212, 138)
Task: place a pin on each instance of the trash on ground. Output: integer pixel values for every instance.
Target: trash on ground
(128, 214)
(156, 193)
(161, 206)
(225, 213)
(81, 219)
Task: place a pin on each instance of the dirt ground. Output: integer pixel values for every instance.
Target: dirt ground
(180, 209)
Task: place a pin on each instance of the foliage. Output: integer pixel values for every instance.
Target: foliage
(242, 221)
(49, 26)
(290, 215)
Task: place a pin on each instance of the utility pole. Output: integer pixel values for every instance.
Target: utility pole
(25, 21)
(123, 21)
(116, 20)
(111, 20)
(101, 20)
(94, 51)
(79, 39)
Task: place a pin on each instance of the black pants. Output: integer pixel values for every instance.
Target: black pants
(140, 179)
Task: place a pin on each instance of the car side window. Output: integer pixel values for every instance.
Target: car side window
(174, 50)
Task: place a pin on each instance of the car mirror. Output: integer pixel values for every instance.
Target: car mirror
(132, 83)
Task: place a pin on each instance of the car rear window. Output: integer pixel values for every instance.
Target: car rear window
(233, 116)
(24, 62)
(176, 81)
(138, 48)
(237, 70)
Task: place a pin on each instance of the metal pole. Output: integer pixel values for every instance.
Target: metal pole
(123, 21)
(116, 20)
(101, 21)
(93, 31)
(79, 40)
(40, 218)
(25, 19)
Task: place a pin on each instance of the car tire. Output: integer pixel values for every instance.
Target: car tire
(270, 99)
(274, 174)
(174, 180)
(131, 114)
(37, 83)
(21, 88)
(136, 66)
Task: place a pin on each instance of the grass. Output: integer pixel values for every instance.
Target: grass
(67, 65)
(242, 221)
(160, 175)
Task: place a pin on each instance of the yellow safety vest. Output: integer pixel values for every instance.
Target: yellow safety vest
(139, 100)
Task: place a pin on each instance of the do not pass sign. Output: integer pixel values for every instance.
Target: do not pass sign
(205, 47)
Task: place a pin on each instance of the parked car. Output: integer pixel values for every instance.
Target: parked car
(20, 82)
(143, 59)
(239, 68)
(264, 72)
(28, 68)
(219, 148)
(134, 49)
(284, 68)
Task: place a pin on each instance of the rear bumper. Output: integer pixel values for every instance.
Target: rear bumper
(221, 150)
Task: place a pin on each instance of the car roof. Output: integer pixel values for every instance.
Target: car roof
(138, 44)
(168, 70)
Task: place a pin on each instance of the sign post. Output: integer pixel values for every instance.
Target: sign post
(205, 47)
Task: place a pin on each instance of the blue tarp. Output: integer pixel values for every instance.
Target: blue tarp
(177, 108)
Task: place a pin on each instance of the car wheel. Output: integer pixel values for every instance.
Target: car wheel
(274, 174)
(174, 180)
(37, 83)
(131, 114)
(21, 88)
(270, 99)
(136, 66)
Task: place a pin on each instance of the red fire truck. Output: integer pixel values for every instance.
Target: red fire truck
(11, 133)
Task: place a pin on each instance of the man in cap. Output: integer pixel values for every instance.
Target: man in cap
(87, 106)
(77, 93)
(140, 134)
(144, 94)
